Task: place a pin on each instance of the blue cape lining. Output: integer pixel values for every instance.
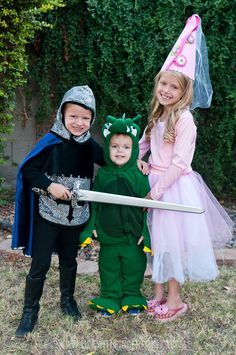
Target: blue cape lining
(22, 236)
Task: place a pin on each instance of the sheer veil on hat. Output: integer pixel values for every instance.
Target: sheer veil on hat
(189, 56)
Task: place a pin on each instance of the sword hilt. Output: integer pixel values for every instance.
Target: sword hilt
(75, 196)
(39, 191)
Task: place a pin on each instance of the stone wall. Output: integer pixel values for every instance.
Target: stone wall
(19, 143)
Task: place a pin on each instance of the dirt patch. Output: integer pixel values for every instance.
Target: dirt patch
(7, 210)
(226, 262)
(14, 259)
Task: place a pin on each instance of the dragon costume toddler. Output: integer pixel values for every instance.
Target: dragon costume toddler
(122, 262)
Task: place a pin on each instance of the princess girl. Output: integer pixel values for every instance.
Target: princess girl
(182, 242)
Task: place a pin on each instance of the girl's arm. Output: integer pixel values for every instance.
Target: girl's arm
(144, 146)
(182, 155)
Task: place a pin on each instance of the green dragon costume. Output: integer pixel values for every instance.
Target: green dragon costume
(122, 262)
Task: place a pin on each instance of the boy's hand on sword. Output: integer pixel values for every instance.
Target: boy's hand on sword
(58, 191)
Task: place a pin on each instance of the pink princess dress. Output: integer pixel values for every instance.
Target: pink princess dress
(182, 242)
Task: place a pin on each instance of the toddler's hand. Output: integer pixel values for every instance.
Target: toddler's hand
(143, 166)
(148, 196)
(140, 240)
(59, 191)
(95, 233)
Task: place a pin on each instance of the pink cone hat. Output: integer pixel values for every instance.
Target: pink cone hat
(182, 57)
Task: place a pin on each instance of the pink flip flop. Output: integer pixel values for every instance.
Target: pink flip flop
(152, 304)
(164, 314)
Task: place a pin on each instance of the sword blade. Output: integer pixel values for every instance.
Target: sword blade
(94, 196)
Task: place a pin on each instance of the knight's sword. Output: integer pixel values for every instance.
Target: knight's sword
(94, 196)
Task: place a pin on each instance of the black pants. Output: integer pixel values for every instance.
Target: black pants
(48, 238)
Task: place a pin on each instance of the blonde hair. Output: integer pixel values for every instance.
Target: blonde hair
(156, 109)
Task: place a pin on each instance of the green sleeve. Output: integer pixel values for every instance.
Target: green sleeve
(91, 224)
(145, 186)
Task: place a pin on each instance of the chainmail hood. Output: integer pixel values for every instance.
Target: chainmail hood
(81, 95)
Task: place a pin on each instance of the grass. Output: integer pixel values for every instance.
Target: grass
(209, 327)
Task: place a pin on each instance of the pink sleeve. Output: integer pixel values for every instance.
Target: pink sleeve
(183, 152)
(144, 146)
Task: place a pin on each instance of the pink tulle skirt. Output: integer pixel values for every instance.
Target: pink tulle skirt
(183, 242)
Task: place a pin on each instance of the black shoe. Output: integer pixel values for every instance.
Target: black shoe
(67, 287)
(33, 292)
(27, 323)
(70, 308)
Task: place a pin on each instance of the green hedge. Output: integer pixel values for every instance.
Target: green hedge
(117, 47)
(18, 24)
